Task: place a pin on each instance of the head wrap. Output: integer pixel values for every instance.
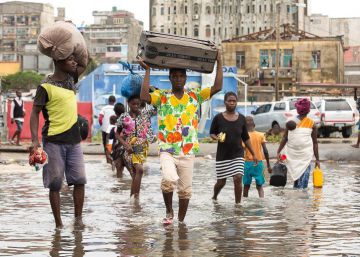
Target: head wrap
(303, 106)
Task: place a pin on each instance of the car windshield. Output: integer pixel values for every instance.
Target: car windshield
(292, 105)
(337, 105)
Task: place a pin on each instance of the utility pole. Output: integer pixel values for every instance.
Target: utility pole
(277, 63)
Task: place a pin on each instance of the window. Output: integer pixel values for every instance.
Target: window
(288, 9)
(271, 8)
(219, 31)
(248, 9)
(237, 31)
(248, 30)
(263, 109)
(169, 10)
(208, 31)
(240, 60)
(185, 32)
(259, 8)
(214, 31)
(162, 11)
(208, 10)
(253, 8)
(230, 11)
(196, 9)
(174, 31)
(162, 29)
(186, 9)
(242, 30)
(196, 31)
(337, 105)
(181, 31)
(264, 58)
(287, 58)
(174, 10)
(273, 58)
(153, 11)
(168, 31)
(279, 106)
(265, 6)
(259, 28)
(315, 59)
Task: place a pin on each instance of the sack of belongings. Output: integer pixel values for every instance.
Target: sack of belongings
(62, 39)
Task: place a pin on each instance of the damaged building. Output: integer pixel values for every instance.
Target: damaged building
(303, 58)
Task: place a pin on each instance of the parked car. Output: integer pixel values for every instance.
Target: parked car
(336, 115)
(275, 114)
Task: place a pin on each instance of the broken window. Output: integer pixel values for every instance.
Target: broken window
(264, 58)
(240, 60)
(315, 59)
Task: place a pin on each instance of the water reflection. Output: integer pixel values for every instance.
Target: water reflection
(286, 222)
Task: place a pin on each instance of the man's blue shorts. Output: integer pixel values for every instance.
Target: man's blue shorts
(256, 172)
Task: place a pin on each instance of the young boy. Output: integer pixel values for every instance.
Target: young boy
(251, 171)
(110, 136)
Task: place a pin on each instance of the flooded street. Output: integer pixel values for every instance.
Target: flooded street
(285, 223)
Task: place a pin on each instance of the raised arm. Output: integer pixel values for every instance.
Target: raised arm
(219, 76)
(145, 87)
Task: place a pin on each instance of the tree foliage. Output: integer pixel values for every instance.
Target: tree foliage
(21, 80)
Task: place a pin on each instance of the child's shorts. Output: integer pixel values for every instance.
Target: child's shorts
(255, 172)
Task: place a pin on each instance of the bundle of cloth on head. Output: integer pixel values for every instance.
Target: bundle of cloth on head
(302, 106)
(61, 40)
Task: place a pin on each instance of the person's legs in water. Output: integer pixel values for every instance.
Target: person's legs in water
(119, 165)
(246, 190)
(260, 190)
(185, 168)
(259, 178)
(303, 181)
(220, 183)
(247, 178)
(136, 181)
(78, 196)
(54, 197)
(237, 187)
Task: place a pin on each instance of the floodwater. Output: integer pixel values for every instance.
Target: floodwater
(286, 222)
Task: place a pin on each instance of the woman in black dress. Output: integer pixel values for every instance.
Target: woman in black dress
(229, 129)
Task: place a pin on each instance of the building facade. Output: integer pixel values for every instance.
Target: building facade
(303, 58)
(114, 36)
(219, 20)
(325, 26)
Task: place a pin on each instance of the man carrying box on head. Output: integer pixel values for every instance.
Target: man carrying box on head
(178, 129)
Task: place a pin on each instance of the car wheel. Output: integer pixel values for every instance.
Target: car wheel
(346, 132)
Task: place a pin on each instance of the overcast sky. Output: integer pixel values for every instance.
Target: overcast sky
(81, 11)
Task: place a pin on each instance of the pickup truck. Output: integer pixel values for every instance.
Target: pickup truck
(336, 115)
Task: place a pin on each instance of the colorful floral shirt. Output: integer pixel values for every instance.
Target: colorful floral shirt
(178, 120)
(139, 127)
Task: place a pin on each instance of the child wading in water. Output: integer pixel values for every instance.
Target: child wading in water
(258, 143)
(135, 137)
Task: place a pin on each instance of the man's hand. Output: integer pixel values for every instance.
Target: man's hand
(12, 121)
(142, 63)
(317, 163)
(269, 169)
(34, 145)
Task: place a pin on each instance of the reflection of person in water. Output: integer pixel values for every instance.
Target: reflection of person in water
(58, 245)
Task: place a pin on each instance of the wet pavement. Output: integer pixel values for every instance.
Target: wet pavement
(286, 222)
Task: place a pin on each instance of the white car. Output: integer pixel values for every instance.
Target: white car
(336, 115)
(275, 115)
